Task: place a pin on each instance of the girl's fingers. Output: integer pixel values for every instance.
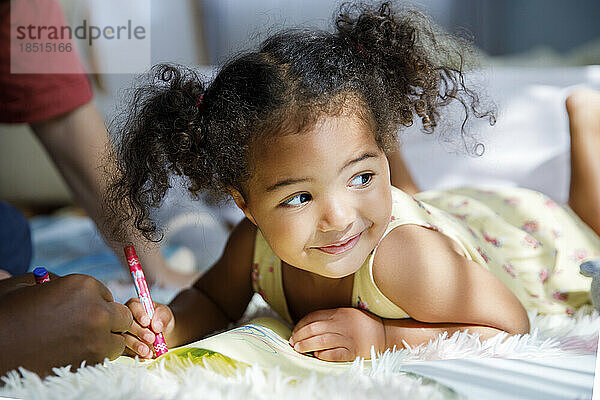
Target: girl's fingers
(138, 312)
(136, 347)
(157, 323)
(337, 354)
(325, 341)
(144, 328)
(313, 329)
(319, 315)
(162, 319)
(141, 333)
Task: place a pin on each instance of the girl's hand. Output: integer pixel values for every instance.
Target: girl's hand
(339, 334)
(140, 338)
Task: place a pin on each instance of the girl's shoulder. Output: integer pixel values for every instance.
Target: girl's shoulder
(411, 258)
(412, 242)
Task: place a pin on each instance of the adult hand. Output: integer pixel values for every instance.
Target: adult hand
(65, 321)
(339, 334)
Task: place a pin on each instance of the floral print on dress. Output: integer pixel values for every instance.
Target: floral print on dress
(579, 255)
(512, 201)
(560, 296)
(255, 274)
(530, 226)
(458, 204)
(510, 269)
(462, 217)
(433, 227)
(569, 311)
(544, 274)
(496, 242)
(256, 281)
(550, 203)
(362, 304)
(530, 241)
(472, 232)
(422, 206)
(483, 255)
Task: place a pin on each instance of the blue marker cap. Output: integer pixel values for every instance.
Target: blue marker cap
(40, 272)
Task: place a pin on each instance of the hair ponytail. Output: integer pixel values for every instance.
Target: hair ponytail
(421, 66)
(161, 134)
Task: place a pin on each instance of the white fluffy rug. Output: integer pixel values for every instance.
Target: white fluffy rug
(550, 336)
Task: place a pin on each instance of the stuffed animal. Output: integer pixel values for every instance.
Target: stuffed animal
(592, 269)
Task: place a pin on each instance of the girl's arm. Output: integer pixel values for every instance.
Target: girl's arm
(221, 295)
(423, 272)
(218, 298)
(415, 333)
(342, 334)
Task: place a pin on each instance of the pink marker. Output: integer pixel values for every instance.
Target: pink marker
(141, 287)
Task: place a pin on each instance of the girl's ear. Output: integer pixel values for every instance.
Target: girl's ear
(241, 203)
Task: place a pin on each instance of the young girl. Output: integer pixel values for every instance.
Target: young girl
(297, 134)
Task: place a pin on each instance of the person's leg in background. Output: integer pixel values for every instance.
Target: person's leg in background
(15, 242)
(583, 107)
(400, 175)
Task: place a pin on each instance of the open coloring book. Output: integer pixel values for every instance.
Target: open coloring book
(263, 341)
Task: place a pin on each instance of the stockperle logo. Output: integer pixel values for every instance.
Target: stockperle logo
(84, 31)
(107, 36)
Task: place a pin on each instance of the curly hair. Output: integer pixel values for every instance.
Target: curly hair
(389, 66)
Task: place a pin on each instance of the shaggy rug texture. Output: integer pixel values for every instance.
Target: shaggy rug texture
(381, 378)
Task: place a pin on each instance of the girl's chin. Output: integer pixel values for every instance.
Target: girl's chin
(341, 272)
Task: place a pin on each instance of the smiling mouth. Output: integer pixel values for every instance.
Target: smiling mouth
(341, 247)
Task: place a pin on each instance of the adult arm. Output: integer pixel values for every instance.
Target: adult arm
(77, 143)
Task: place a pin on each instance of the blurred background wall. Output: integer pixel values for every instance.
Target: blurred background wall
(499, 28)
(206, 32)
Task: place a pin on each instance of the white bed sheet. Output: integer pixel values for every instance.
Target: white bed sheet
(528, 146)
(558, 378)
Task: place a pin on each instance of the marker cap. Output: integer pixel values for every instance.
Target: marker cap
(40, 272)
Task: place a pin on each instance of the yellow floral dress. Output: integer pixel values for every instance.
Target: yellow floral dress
(531, 243)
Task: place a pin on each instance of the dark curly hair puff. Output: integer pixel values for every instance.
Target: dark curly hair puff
(388, 66)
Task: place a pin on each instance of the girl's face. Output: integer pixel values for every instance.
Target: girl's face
(322, 200)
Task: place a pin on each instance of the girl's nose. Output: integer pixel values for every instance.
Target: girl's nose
(336, 215)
